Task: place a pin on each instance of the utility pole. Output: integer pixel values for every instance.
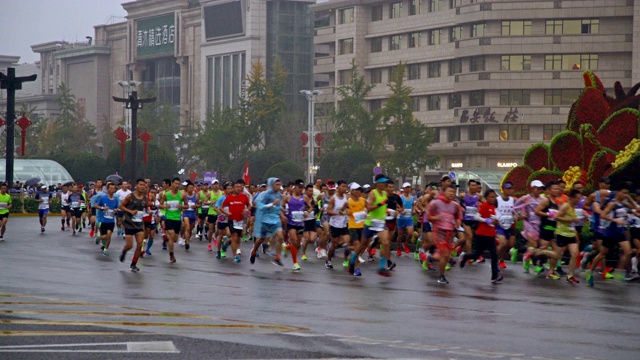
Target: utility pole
(134, 104)
(12, 83)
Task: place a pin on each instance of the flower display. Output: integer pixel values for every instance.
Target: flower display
(625, 155)
(566, 150)
(537, 157)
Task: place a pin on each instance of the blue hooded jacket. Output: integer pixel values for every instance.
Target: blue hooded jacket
(266, 212)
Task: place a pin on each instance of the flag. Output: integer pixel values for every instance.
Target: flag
(245, 173)
(193, 176)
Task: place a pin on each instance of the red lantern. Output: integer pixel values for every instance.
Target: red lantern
(23, 123)
(305, 139)
(2, 122)
(145, 137)
(122, 138)
(319, 139)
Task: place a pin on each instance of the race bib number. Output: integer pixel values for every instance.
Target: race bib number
(634, 221)
(472, 211)
(552, 214)
(3, 205)
(391, 214)
(192, 206)
(205, 206)
(406, 213)
(360, 217)
(137, 217)
(108, 214)
(377, 225)
(297, 216)
(311, 216)
(75, 204)
(222, 218)
(173, 205)
(238, 225)
(604, 223)
(579, 214)
(506, 221)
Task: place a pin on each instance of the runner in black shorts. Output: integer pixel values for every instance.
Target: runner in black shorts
(134, 207)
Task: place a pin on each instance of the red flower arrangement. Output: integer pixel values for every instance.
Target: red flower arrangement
(537, 157)
(565, 150)
(619, 129)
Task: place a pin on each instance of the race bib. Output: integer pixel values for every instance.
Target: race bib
(634, 221)
(173, 205)
(3, 205)
(506, 221)
(297, 216)
(239, 225)
(360, 217)
(406, 213)
(311, 216)
(579, 214)
(192, 206)
(472, 211)
(391, 214)
(553, 213)
(108, 214)
(377, 225)
(137, 217)
(604, 223)
(205, 206)
(75, 204)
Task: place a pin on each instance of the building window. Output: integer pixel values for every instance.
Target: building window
(394, 42)
(433, 102)
(455, 66)
(322, 19)
(415, 103)
(476, 98)
(346, 46)
(572, 27)
(477, 30)
(376, 76)
(561, 96)
(376, 12)
(435, 36)
(453, 133)
(395, 10)
(434, 69)
(515, 97)
(476, 132)
(476, 63)
(345, 76)
(414, 39)
(549, 131)
(455, 100)
(454, 3)
(436, 135)
(376, 45)
(435, 5)
(345, 16)
(516, 27)
(413, 71)
(375, 105)
(414, 7)
(455, 33)
(513, 132)
(571, 62)
(515, 62)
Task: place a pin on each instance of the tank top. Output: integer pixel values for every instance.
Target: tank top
(296, 210)
(357, 213)
(375, 218)
(213, 200)
(567, 229)
(596, 223)
(204, 208)
(504, 212)
(174, 201)
(135, 221)
(471, 205)
(192, 201)
(614, 230)
(545, 222)
(64, 199)
(338, 221)
(408, 206)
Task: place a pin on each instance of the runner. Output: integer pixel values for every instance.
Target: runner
(150, 223)
(405, 220)
(212, 215)
(426, 241)
(236, 206)
(189, 215)
(566, 234)
(338, 221)
(506, 228)
(471, 200)
(526, 206)
(223, 232)
(5, 205)
(42, 197)
(76, 200)
(394, 206)
(547, 211)
(65, 206)
(298, 210)
(267, 224)
(134, 207)
(203, 211)
(107, 206)
(445, 214)
(357, 216)
(310, 224)
(173, 201)
(323, 235)
(97, 188)
(122, 193)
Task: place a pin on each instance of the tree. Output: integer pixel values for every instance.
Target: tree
(162, 163)
(340, 164)
(84, 167)
(285, 171)
(409, 137)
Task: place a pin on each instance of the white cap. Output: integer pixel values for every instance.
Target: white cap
(537, 183)
(366, 186)
(184, 183)
(43, 187)
(215, 181)
(406, 185)
(354, 186)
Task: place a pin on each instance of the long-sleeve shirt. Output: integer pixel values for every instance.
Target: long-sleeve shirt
(450, 212)
(486, 211)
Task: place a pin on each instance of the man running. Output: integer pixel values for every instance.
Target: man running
(237, 204)
(97, 188)
(547, 211)
(405, 220)
(122, 193)
(223, 226)
(65, 207)
(506, 228)
(298, 211)
(566, 234)
(357, 216)
(203, 211)
(445, 214)
(76, 200)
(5, 205)
(471, 200)
(310, 233)
(107, 206)
(212, 214)
(150, 223)
(338, 221)
(526, 206)
(42, 197)
(189, 215)
(173, 201)
(267, 223)
(134, 207)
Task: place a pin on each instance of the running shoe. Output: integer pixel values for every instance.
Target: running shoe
(632, 277)
(323, 253)
(442, 280)
(607, 275)
(172, 259)
(422, 257)
(463, 259)
(181, 241)
(384, 272)
(105, 252)
(62, 228)
(134, 268)
(218, 256)
(361, 260)
(276, 262)
(514, 255)
(416, 256)
(357, 273)
(560, 271)
(457, 250)
(187, 246)
(480, 259)
(553, 276)
(42, 230)
(502, 264)
(238, 252)
(372, 252)
(391, 265)
(209, 247)
(164, 246)
(252, 258)
(296, 267)
(539, 269)
(246, 238)
(406, 249)
(328, 264)
(148, 252)
(122, 255)
(223, 254)
(447, 267)
(497, 280)
(304, 257)
(237, 259)
(589, 275)
(318, 254)
(371, 258)
(399, 252)
(572, 279)
(454, 252)
(526, 265)
(345, 263)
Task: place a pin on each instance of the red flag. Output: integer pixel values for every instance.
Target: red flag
(193, 176)
(245, 173)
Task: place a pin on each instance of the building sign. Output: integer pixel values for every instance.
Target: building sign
(485, 114)
(156, 36)
(507, 164)
(457, 165)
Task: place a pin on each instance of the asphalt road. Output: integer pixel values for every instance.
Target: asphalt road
(61, 299)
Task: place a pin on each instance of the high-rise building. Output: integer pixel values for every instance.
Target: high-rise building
(490, 77)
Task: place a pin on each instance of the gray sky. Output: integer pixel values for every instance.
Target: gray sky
(30, 22)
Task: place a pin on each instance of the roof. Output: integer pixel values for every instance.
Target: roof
(30, 88)
(49, 171)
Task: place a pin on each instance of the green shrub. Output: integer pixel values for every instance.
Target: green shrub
(16, 205)
(31, 205)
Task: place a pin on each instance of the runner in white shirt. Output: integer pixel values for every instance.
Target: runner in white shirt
(122, 194)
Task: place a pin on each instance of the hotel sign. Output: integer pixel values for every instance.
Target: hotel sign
(156, 36)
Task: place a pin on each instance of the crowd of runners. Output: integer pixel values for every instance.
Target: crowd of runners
(446, 225)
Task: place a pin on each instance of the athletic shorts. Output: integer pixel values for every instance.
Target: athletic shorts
(212, 219)
(355, 234)
(297, 228)
(391, 225)
(635, 233)
(546, 234)
(443, 239)
(133, 231)
(174, 225)
(223, 225)
(563, 241)
(150, 226)
(93, 212)
(505, 232)
(235, 231)
(368, 233)
(310, 225)
(43, 212)
(104, 227)
(404, 223)
(471, 223)
(611, 241)
(191, 215)
(76, 213)
(426, 227)
(66, 208)
(202, 216)
(269, 230)
(337, 232)
(3, 216)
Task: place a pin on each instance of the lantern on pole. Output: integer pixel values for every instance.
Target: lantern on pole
(305, 139)
(145, 137)
(122, 138)
(23, 123)
(319, 139)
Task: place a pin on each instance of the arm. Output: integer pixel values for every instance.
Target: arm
(124, 204)
(330, 208)
(562, 215)
(543, 204)
(607, 211)
(185, 202)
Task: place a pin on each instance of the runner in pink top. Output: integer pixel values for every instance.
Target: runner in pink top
(445, 214)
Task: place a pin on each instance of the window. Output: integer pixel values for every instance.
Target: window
(436, 135)
(414, 40)
(376, 76)
(515, 97)
(515, 62)
(515, 28)
(455, 100)
(415, 103)
(433, 102)
(455, 66)
(413, 71)
(414, 7)
(561, 96)
(579, 26)
(394, 42)
(477, 30)
(435, 5)
(434, 69)
(453, 133)
(476, 132)
(435, 36)
(476, 63)
(346, 46)
(395, 10)
(345, 16)
(455, 33)
(549, 131)
(345, 76)
(375, 105)
(571, 62)
(476, 98)
(376, 45)
(454, 3)
(514, 132)
(322, 19)
(376, 13)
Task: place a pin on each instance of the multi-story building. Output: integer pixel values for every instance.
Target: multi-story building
(490, 77)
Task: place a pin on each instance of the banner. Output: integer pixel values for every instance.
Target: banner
(156, 36)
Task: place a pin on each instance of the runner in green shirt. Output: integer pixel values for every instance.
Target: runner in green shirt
(5, 205)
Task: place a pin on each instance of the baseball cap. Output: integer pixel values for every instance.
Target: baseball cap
(406, 185)
(366, 186)
(263, 185)
(507, 185)
(537, 183)
(215, 181)
(354, 186)
(332, 187)
(43, 187)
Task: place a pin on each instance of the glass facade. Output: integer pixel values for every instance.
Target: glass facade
(225, 79)
(164, 75)
(49, 171)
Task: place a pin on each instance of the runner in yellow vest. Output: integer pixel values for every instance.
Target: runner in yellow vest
(5, 206)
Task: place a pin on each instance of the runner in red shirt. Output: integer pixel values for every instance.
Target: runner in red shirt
(238, 204)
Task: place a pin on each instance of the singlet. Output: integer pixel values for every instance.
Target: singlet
(545, 222)
(64, 198)
(135, 222)
(45, 200)
(297, 208)
(504, 212)
(314, 210)
(596, 223)
(357, 213)
(614, 230)
(5, 200)
(174, 201)
(470, 204)
(375, 216)
(75, 199)
(567, 229)
(192, 201)
(325, 205)
(84, 197)
(204, 208)
(408, 206)
(338, 221)
(213, 199)
(108, 216)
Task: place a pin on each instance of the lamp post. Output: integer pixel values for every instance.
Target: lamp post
(127, 87)
(311, 96)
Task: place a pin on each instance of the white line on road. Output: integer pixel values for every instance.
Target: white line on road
(129, 347)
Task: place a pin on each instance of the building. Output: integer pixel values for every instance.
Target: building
(490, 77)
(50, 172)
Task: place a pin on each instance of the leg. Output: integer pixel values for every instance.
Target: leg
(574, 249)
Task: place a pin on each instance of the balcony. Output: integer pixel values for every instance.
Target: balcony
(325, 35)
(324, 65)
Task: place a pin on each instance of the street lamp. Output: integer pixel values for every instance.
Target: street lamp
(311, 96)
(127, 87)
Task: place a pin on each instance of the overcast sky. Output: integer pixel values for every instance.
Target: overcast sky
(29, 22)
